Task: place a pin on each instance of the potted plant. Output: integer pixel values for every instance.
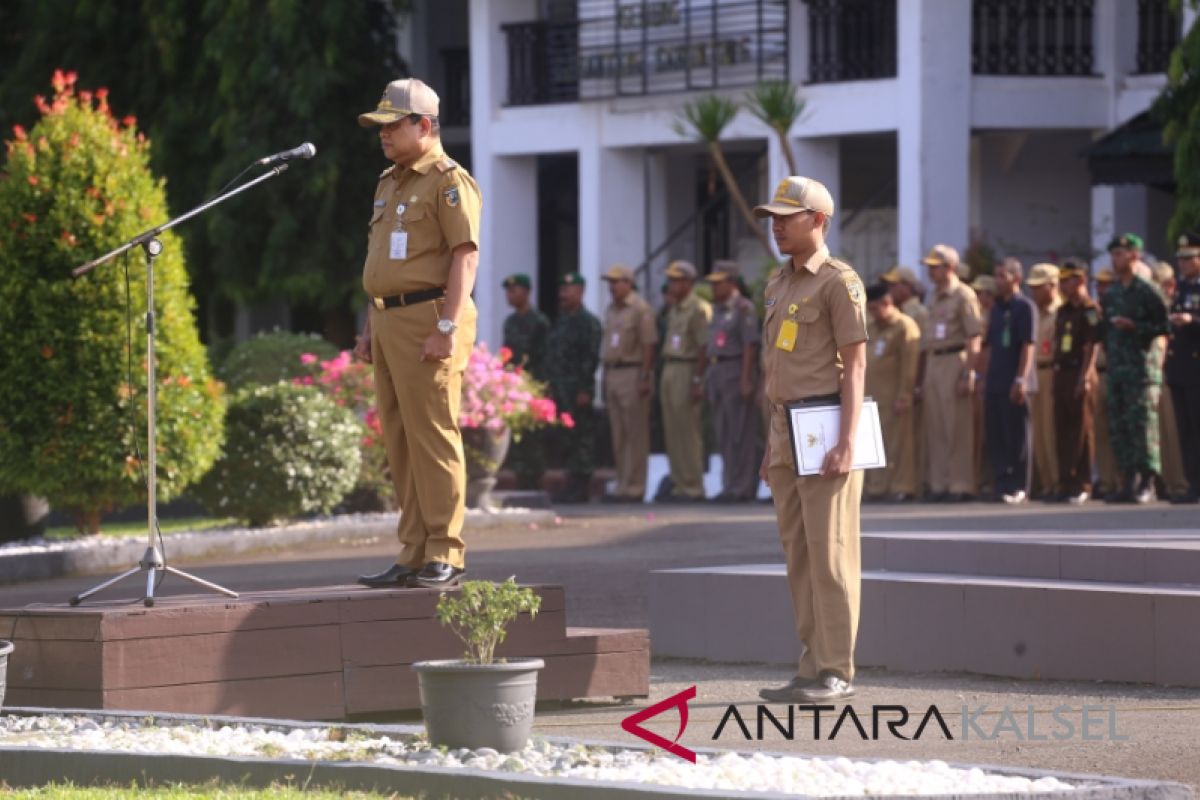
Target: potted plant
(500, 402)
(479, 700)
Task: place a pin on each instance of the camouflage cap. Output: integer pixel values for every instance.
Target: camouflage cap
(1130, 240)
(572, 279)
(1041, 274)
(795, 194)
(400, 99)
(518, 279)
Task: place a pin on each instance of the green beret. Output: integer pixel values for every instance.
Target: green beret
(1131, 240)
(572, 279)
(519, 279)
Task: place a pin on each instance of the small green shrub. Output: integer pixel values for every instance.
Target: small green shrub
(481, 613)
(289, 450)
(272, 357)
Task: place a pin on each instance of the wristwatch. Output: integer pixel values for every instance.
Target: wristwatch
(446, 327)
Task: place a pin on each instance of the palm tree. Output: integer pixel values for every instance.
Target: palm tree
(705, 118)
(777, 104)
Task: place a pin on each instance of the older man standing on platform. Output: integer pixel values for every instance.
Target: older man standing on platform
(815, 353)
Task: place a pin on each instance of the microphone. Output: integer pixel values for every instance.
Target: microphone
(306, 150)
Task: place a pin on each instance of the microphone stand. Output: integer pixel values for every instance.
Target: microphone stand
(152, 561)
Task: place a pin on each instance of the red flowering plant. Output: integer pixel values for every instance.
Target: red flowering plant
(498, 394)
(351, 384)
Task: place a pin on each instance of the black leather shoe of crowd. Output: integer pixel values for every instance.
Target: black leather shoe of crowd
(828, 688)
(436, 575)
(394, 577)
(790, 692)
(1145, 491)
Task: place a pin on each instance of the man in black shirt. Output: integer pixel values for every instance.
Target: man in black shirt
(1011, 333)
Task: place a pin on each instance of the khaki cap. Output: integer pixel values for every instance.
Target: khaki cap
(795, 194)
(724, 271)
(618, 272)
(400, 99)
(900, 274)
(1106, 275)
(1189, 245)
(941, 255)
(984, 283)
(1163, 272)
(681, 269)
(1041, 274)
(1072, 268)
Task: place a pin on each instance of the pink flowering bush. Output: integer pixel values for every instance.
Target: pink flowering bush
(497, 394)
(351, 384)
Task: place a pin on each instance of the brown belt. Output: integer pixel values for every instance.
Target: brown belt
(622, 365)
(944, 351)
(423, 296)
(815, 400)
(715, 359)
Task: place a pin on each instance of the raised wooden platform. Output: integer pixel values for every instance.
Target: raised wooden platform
(323, 653)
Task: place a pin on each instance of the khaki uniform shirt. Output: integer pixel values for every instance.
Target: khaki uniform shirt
(421, 213)
(812, 311)
(953, 317)
(687, 329)
(733, 326)
(1043, 351)
(628, 328)
(892, 356)
(913, 309)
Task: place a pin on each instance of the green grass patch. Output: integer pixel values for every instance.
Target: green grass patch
(185, 792)
(139, 528)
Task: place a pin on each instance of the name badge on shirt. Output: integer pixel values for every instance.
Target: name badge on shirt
(675, 341)
(720, 339)
(786, 340)
(880, 346)
(616, 340)
(939, 330)
(398, 249)
(1065, 344)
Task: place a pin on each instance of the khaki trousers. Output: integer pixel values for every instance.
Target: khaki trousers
(682, 431)
(629, 419)
(1106, 460)
(899, 440)
(949, 425)
(818, 522)
(1045, 452)
(418, 403)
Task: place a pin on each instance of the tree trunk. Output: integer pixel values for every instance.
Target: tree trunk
(87, 521)
(788, 155)
(735, 191)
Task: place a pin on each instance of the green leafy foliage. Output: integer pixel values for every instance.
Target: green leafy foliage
(482, 611)
(216, 84)
(272, 357)
(290, 450)
(73, 187)
(1179, 109)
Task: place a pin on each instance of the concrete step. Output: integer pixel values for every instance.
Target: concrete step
(1040, 628)
(1152, 557)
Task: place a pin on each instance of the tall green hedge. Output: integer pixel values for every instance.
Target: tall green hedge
(73, 187)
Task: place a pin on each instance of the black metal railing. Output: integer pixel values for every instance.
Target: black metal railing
(1032, 37)
(851, 40)
(618, 49)
(456, 89)
(1158, 35)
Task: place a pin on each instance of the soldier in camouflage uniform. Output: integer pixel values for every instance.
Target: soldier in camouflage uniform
(572, 355)
(1135, 314)
(525, 332)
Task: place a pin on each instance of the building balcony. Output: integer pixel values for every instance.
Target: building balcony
(851, 40)
(647, 49)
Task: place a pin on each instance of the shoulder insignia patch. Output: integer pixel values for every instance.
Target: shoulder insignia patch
(447, 164)
(768, 302)
(451, 195)
(387, 172)
(853, 283)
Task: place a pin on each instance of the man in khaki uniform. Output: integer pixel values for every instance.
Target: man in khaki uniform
(733, 337)
(681, 388)
(627, 353)
(814, 352)
(985, 292)
(1173, 477)
(422, 254)
(951, 345)
(1106, 460)
(1043, 286)
(895, 347)
(907, 290)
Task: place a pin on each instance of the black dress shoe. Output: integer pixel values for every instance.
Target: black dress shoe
(436, 575)
(394, 577)
(830, 687)
(790, 692)
(1145, 492)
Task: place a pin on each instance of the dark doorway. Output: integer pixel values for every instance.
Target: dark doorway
(558, 226)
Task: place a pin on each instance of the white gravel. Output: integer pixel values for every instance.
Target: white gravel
(727, 771)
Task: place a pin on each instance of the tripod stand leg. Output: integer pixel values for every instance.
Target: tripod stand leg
(79, 598)
(201, 581)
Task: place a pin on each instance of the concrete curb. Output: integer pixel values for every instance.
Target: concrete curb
(53, 560)
(28, 767)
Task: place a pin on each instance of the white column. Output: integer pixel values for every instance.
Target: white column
(1104, 222)
(933, 141)
(612, 211)
(821, 159)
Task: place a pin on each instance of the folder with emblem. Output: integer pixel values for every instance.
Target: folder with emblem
(814, 432)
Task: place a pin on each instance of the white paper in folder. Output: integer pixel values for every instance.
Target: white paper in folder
(815, 432)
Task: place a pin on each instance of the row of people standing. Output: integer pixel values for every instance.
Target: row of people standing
(1070, 386)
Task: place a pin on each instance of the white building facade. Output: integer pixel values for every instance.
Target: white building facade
(957, 121)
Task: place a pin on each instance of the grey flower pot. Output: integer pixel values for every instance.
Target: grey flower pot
(479, 705)
(5, 649)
